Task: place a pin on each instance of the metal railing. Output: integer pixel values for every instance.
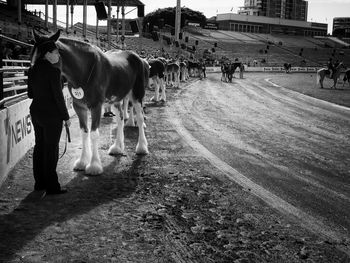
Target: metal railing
(13, 80)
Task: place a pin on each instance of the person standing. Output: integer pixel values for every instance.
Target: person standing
(48, 112)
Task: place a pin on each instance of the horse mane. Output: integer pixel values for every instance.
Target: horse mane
(79, 44)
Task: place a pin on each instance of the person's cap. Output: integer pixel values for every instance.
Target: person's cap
(47, 46)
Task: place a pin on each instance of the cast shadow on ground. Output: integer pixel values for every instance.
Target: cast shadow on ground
(35, 213)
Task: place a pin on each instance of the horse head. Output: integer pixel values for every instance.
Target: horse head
(41, 40)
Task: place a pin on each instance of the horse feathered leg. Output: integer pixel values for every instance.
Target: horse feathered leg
(85, 156)
(131, 121)
(125, 106)
(163, 87)
(118, 146)
(95, 165)
(142, 145)
(156, 88)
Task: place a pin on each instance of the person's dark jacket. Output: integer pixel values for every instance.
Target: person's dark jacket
(44, 87)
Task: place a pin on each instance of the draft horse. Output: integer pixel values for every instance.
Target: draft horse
(95, 77)
(157, 74)
(287, 67)
(346, 77)
(323, 72)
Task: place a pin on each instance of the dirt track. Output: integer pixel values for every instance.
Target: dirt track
(174, 205)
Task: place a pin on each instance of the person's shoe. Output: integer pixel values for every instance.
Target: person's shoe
(56, 192)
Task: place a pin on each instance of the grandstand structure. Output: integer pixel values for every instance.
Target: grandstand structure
(253, 47)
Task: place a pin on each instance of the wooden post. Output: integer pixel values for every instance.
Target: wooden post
(67, 16)
(54, 15)
(109, 23)
(84, 17)
(117, 23)
(46, 14)
(177, 20)
(97, 33)
(123, 26)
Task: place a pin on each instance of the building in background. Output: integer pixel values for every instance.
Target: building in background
(284, 9)
(341, 28)
(269, 25)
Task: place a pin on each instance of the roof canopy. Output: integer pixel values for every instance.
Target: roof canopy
(89, 2)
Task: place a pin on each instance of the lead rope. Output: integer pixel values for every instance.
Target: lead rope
(67, 140)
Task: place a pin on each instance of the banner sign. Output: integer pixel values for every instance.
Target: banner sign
(17, 132)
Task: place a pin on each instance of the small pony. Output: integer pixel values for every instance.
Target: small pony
(95, 77)
(323, 72)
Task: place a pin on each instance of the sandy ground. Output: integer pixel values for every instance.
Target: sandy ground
(172, 205)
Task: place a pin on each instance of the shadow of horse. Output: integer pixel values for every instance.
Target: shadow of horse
(35, 213)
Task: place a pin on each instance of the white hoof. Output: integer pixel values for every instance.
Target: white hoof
(94, 168)
(115, 150)
(80, 165)
(141, 149)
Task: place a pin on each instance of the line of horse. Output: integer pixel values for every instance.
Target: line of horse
(115, 76)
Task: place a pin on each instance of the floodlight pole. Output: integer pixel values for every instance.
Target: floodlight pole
(177, 20)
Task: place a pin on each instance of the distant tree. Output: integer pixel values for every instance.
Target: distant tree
(168, 15)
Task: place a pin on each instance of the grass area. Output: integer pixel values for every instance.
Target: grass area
(305, 83)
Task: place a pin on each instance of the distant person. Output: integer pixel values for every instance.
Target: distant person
(241, 70)
(204, 70)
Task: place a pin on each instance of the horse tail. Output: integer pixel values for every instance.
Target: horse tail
(141, 81)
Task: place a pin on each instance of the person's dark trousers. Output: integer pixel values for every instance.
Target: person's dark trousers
(45, 156)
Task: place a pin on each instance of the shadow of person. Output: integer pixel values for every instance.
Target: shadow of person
(35, 212)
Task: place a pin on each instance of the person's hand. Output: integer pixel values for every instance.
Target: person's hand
(67, 123)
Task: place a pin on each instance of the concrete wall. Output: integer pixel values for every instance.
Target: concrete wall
(17, 133)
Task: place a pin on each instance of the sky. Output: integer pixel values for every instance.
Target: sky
(322, 11)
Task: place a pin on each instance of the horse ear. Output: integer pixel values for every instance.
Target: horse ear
(56, 35)
(36, 36)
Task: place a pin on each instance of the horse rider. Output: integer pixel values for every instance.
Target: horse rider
(331, 67)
